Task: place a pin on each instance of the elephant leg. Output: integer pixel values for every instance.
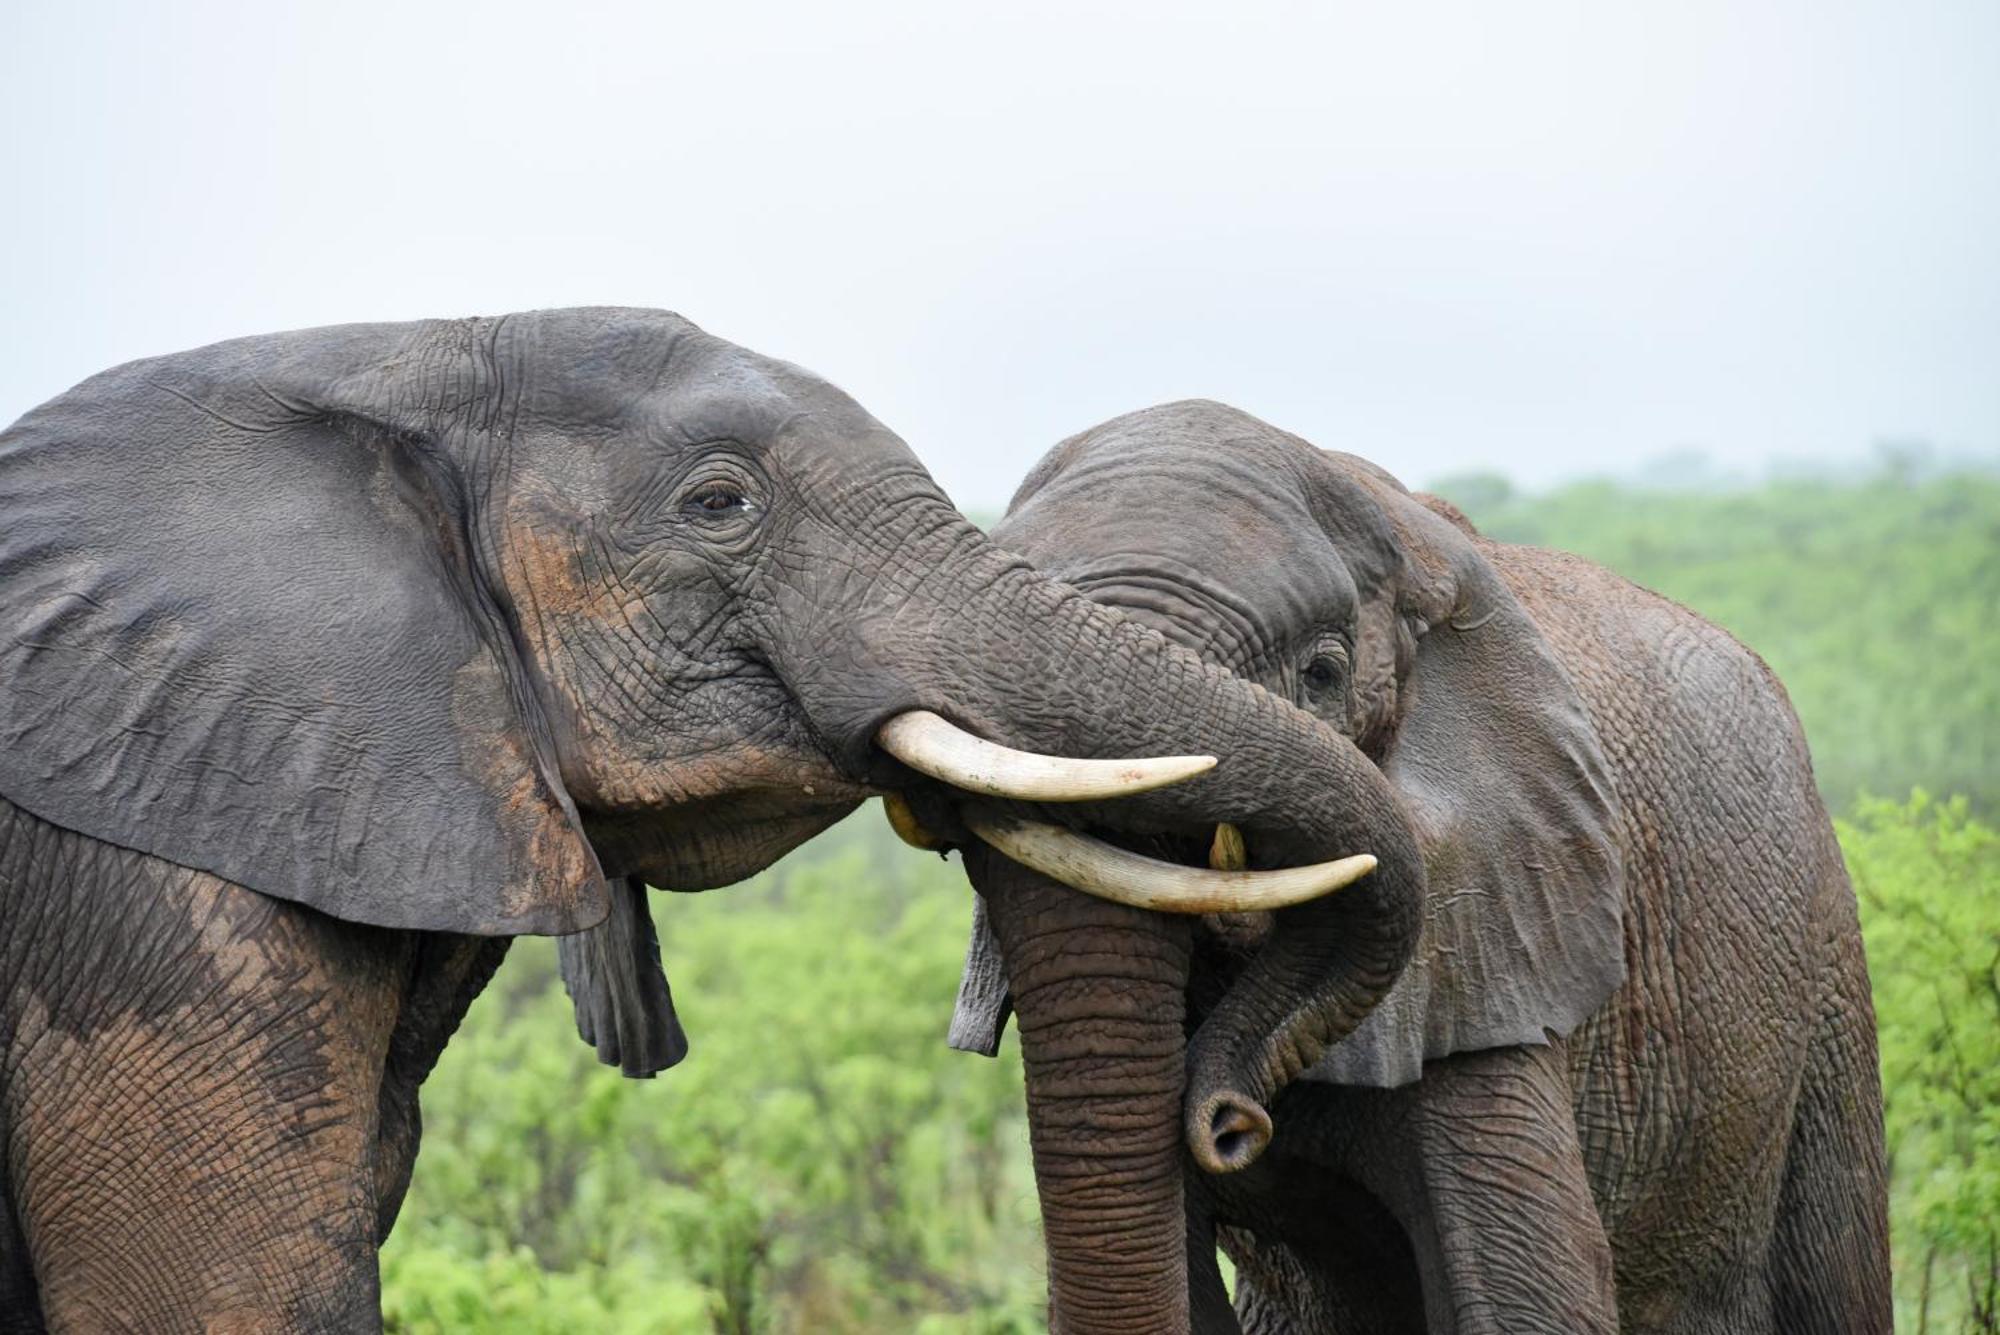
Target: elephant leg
(1315, 1253)
(1358, 1280)
(191, 1108)
(20, 1307)
(1480, 1163)
(1209, 1312)
(1830, 1251)
(1276, 1293)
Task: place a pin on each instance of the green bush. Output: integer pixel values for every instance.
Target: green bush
(1928, 877)
(821, 1161)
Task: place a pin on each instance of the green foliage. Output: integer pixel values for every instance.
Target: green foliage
(1877, 603)
(822, 1162)
(1928, 877)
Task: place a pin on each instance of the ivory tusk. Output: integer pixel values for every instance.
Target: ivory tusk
(1112, 873)
(931, 745)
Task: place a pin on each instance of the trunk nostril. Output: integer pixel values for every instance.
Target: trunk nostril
(1237, 1132)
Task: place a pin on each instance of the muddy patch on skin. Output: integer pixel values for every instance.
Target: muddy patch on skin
(573, 624)
(190, 1094)
(545, 576)
(644, 725)
(556, 884)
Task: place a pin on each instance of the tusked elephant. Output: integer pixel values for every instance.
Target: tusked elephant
(330, 660)
(1628, 1079)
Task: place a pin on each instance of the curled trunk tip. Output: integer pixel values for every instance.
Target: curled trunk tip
(1227, 1131)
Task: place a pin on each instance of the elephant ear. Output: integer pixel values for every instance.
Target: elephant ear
(241, 630)
(1501, 772)
(979, 1016)
(618, 987)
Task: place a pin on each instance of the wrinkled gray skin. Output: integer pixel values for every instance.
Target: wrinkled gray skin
(1628, 1080)
(329, 660)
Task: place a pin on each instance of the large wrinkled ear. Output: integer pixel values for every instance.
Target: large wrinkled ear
(618, 986)
(241, 629)
(1502, 774)
(979, 1017)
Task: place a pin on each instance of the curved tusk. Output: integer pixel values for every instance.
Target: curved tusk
(930, 745)
(1100, 869)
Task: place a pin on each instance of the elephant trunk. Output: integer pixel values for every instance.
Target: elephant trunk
(983, 640)
(1098, 991)
(1104, 684)
(1017, 658)
(1323, 969)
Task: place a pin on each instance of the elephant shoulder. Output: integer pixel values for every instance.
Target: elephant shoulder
(102, 939)
(1706, 755)
(1644, 663)
(1703, 767)
(1456, 517)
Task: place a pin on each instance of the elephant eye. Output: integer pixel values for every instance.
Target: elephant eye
(1326, 669)
(716, 498)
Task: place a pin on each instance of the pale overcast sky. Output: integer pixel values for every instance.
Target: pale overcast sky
(1543, 238)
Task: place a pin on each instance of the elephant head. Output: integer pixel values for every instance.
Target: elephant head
(438, 626)
(1470, 769)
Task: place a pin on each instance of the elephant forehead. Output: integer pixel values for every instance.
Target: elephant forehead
(649, 375)
(1215, 538)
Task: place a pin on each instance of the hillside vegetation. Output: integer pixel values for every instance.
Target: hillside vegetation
(1877, 603)
(823, 1163)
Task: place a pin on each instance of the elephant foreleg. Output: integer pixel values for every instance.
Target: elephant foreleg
(190, 1134)
(1831, 1244)
(20, 1308)
(1480, 1163)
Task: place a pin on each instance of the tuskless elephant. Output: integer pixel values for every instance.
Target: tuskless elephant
(330, 660)
(1627, 1080)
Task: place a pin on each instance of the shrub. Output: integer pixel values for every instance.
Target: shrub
(1928, 877)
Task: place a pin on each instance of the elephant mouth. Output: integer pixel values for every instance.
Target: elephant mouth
(715, 842)
(975, 769)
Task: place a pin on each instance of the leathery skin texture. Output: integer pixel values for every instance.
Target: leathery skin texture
(209, 1102)
(1702, 1155)
(1690, 1143)
(330, 660)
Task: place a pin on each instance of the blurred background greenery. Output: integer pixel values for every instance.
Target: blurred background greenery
(822, 1162)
